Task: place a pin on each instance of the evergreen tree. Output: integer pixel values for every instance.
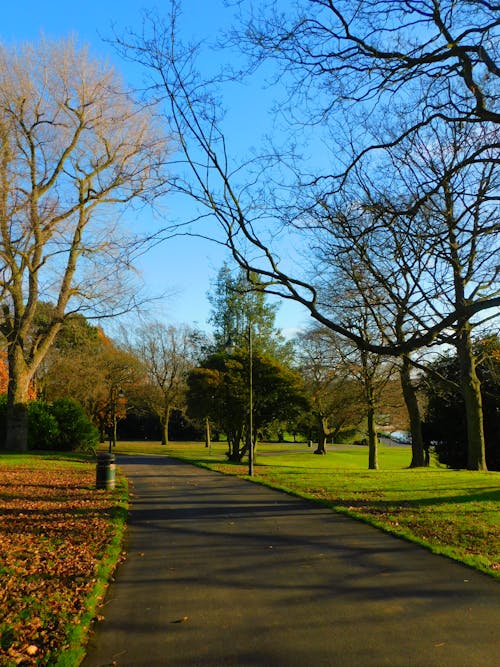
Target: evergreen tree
(237, 307)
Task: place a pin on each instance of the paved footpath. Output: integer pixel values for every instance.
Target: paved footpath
(221, 571)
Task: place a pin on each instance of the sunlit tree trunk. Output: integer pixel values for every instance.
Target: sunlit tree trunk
(471, 391)
(235, 451)
(321, 448)
(418, 458)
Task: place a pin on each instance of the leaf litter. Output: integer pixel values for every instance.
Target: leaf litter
(54, 529)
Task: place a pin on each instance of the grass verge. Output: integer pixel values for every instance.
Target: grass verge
(60, 540)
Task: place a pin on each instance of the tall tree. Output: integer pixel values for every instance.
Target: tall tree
(461, 203)
(376, 280)
(335, 399)
(74, 150)
(355, 61)
(447, 259)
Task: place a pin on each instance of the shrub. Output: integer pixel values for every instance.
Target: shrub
(76, 431)
(43, 429)
(61, 426)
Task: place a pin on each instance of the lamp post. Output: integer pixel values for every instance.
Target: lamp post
(115, 398)
(230, 347)
(250, 399)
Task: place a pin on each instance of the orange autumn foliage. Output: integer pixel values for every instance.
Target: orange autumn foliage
(4, 373)
(4, 377)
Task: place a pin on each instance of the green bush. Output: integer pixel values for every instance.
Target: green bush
(76, 431)
(61, 426)
(43, 429)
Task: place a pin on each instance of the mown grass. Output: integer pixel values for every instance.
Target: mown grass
(451, 512)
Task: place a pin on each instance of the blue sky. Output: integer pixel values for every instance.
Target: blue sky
(183, 267)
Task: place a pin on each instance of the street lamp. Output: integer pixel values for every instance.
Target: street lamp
(230, 348)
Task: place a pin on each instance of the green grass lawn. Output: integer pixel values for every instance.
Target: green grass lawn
(451, 512)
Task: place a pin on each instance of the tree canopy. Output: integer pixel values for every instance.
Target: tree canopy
(219, 390)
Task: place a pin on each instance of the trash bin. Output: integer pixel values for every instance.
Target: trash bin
(105, 471)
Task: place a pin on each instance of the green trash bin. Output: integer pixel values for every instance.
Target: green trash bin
(105, 471)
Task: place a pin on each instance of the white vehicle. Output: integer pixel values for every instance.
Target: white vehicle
(403, 437)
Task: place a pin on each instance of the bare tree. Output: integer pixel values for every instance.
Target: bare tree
(352, 62)
(335, 398)
(371, 371)
(430, 64)
(450, 175)
(74, 150)
(429, 246)
(167, 354)
(253, 225)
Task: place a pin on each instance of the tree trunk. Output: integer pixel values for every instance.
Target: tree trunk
(471, 391)
(16, 435)
(164, 423)
(418, 458)
(208, 441)
(372, 439)
(235, 453)
(321, 449)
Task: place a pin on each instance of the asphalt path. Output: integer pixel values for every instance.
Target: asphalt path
(222, 571)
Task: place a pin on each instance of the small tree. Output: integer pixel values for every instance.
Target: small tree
(167, 354)
(219, 389)
(335, 399)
